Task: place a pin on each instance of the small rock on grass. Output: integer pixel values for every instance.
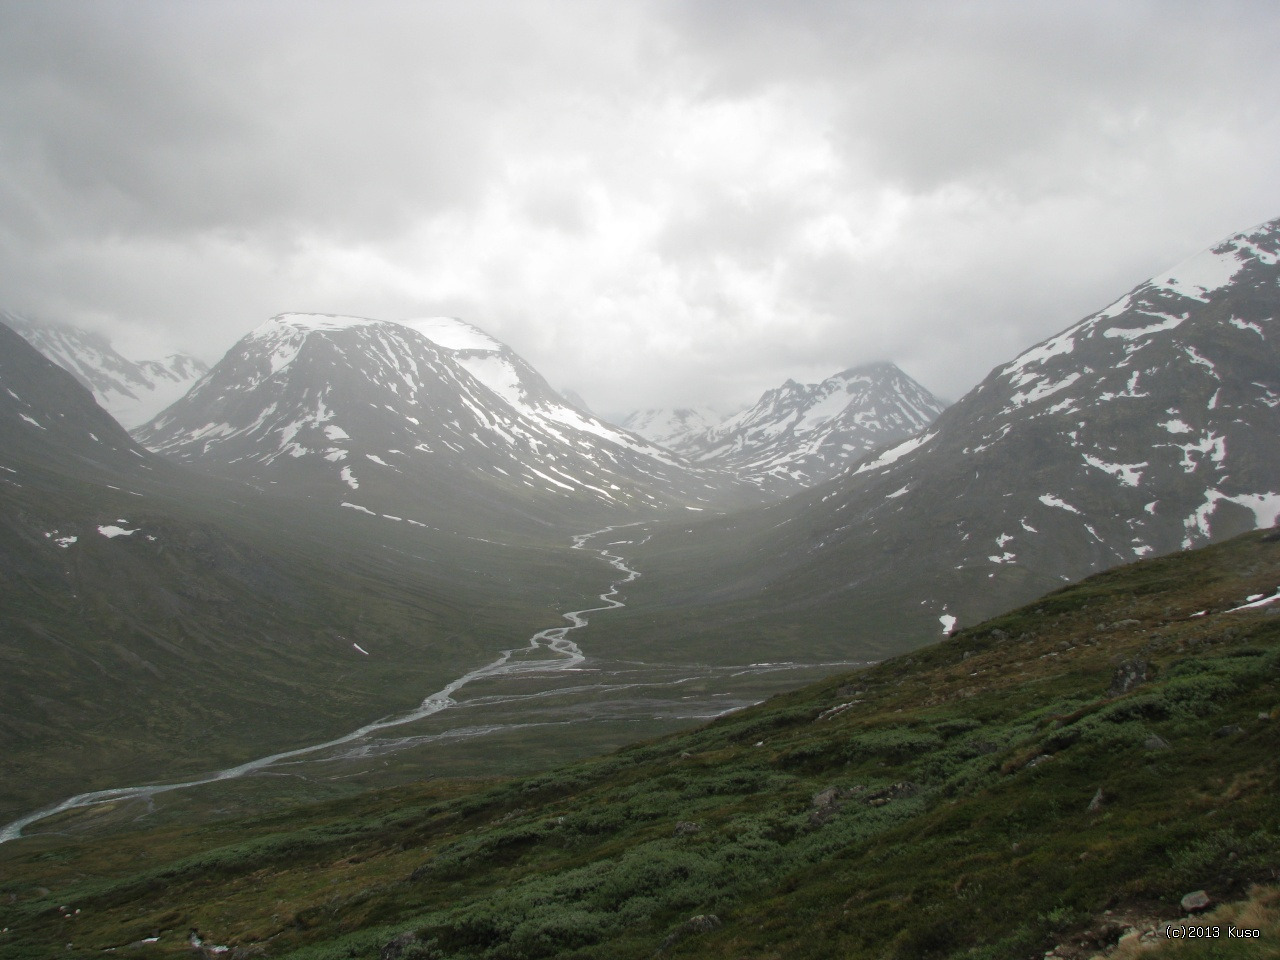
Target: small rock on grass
(702, 923)
(1130, 674)
(397, 947)
(1195, 902)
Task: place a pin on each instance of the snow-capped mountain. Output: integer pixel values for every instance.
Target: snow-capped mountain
(131, 589)
(1148, 427)
(131, 391)
(48, 419)
(801, 434)
(676, 428)
(402, 418)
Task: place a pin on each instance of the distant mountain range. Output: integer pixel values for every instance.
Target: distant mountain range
(795, 436)
(676, 428)
(132, 391)
(799, 434)
(418, 421)
(48, 419)
(339, 484)
(1148, 427)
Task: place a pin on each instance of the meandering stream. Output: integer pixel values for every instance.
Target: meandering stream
(564, 655)
(545, 682)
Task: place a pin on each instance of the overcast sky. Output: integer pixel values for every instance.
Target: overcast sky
(655, 203)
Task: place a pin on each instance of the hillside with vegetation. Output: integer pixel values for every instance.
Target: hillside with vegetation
(1058, 778)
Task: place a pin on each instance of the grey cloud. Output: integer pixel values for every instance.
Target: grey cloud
(926, 93)
(752, 229)
(165, 118)
(966, 178)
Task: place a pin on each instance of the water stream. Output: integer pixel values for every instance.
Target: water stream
(548, 683)
(547, 650)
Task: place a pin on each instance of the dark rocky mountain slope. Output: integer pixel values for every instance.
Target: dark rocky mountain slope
(802, 434)
(132, 391)
(422, 421)
(1150, 426)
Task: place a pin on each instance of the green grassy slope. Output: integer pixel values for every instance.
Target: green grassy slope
(223, 629)
(992, 796)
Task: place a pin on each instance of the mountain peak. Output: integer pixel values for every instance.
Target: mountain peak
(448, 333)
(454, 334)
(801, 434)
(1146, 427)
(1212, 269)
(429, 419)
(310, 323)
(878, 369)
(131, 391)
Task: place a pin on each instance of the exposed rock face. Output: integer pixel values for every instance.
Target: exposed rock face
(827, 803)
(1130, 674)
(896, 791)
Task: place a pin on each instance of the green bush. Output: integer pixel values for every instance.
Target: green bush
(894, 744)
(552, 930)
(956, 726)
(1202, 860)
(1197, 696)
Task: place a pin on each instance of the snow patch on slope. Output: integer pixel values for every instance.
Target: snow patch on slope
(1265, 508)
(1202, 274)
(1049, 500)
(453, 334)
(894, 454)
(111, 531)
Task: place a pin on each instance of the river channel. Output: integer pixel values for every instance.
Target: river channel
(547, 682)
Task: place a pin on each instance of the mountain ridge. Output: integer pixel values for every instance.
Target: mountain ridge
(133, 391)
(423, 420)
(1147, 427)
(672, 427)
(799, 435)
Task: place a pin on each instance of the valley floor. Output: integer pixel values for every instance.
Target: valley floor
(1040, 782)
(547, 688)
